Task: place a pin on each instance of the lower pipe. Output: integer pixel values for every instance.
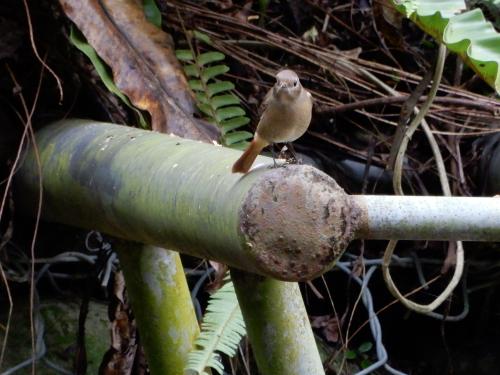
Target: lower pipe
(277, 325)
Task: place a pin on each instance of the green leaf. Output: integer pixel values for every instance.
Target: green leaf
(184, 55)
(202, 37)
(152, 12)
(233, 123)
(79, 41)
(365, 347)
(242, 146)
(365, 363)
(201, 97)
(350, 354)
(223, 100)
(466, 33)
(218, 87)
(213, 71)
(195, 85)
(221, 331)
(237, 136)
(210, 57)
(206, 109)
(191, 70)
(229, 112)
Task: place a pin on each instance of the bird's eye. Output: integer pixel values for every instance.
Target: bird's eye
(295, 83)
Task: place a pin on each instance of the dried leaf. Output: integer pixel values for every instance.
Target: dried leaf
(142, 59)
(328, 325)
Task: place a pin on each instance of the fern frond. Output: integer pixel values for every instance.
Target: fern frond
(213, 94)
(221, 331)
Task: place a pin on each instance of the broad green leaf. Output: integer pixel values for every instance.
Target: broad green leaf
(210, 57)
(223, 100)
(365, 347)
(229, 112)
(466, 33)
(234, 123)
(350, 354)
(195, 85)
(218, 87)
(191, 71)
(184, 55)
(213, 71)
(365, 363)
(237, 136)
(103, 72)
(152, 12)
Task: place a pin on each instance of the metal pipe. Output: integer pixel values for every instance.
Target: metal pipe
(428, 218)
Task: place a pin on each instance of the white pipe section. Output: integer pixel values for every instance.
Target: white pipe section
(428, 218)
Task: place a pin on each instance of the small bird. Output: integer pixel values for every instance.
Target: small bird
(287, 114)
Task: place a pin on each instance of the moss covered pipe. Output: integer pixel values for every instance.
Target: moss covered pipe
(162, 305)
(277, 325)
(287, 223)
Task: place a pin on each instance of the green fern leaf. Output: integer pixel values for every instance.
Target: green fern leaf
(213, 96)
(234, 137)
(202, 37)
(242, 146)
(234, 123)
(213, 71)
(195, 85)
(191, 71)
(184, 55)
(207, 110)
(210, 57)
(229, 112)
(223, 100)
(218, 87)
(201, 97)
(221, 331)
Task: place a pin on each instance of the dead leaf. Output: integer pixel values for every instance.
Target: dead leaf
(389, 22)
(143, 62)
(328, 325)
(119, 359)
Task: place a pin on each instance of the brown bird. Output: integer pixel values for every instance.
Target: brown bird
(287, 114)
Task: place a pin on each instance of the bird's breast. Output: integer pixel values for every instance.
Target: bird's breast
(285, 122)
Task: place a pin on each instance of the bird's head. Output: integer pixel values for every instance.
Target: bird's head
(287, 86)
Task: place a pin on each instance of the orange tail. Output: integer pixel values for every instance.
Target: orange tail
(244, 163)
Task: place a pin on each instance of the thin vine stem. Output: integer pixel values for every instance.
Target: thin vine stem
(398, 171)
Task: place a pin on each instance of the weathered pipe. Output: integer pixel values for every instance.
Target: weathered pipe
(290, 223)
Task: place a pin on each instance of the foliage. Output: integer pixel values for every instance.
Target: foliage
(79, 41)
(360, 354)
(214, 96)
(465, 33)
(221, 331)
(152, 12)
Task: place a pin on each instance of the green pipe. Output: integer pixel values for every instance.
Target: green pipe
(289, 223)
(162, 305)
(277, 325)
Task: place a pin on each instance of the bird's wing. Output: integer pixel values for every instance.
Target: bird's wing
(266, 101)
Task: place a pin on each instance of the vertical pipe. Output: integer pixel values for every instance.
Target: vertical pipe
(162, 305)
(277, 325)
